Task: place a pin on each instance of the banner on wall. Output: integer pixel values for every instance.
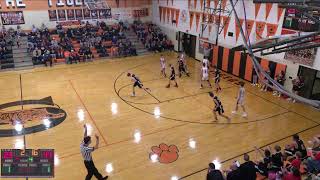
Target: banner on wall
(12, 18)
(203, 45)
(70, 14)
(79, 14)
(144, 12)
(94, 14)
(105, 14)
(86, 14)
(69, 23)
(52, 15)
(61, 15)
(305, 56)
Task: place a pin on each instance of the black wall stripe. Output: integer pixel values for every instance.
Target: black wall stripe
(243, 62)
(230, 61)
(272, 67)
(220, 57)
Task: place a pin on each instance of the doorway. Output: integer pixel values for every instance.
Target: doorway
(187, 44)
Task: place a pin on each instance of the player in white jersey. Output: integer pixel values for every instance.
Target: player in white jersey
(163, 66)
(205, 75)
(206, 61)
(240, 100)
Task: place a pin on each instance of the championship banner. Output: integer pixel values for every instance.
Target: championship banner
(69, 23)
(105, 14)
(86, 14)
(268, 9)
(260, 26)
(271, 29)
(256, 9)
(304, 56)
(168, 14)
(198, 15)
(160, 13)
(177, 16)
(70, 14)
(79, 14)
(62, 15)
(52, 15)
(94, 14)
(191, 18)
(226, 22)
(249, 24)
(238, 28)
(12, 18)
(141, 12)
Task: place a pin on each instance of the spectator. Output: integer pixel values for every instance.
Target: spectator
(67, 56)
(213, 173)
(248, 169)
(299, 145)
(313, 162)
(294, 174)
(234, 174)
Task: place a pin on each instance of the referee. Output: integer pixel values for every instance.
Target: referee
(86, 154)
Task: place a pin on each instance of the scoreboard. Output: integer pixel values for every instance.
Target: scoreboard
(20, 163)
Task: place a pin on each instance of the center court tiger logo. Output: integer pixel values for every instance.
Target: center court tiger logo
(164, 154)
(52, 114)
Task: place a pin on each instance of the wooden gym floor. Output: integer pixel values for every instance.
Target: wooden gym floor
(98, 94)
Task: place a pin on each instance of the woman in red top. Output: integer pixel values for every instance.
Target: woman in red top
(293, 175)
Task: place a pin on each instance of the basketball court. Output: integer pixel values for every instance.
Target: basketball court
(98, 94)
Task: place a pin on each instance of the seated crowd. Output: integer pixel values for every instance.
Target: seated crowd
(152, 37)
(291, 163)
(77, 44)
(7, 38)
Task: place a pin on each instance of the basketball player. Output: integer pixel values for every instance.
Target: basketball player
(240, 100)
(136, 82)
(204, 75)
(172, 76)
(218, 107)
(163, 66)
(182, 67)
(206, 61)
(217, 79)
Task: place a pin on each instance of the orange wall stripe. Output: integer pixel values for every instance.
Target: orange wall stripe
(225, 59)
(264, 64)
(236, 63)
(249, 68)
(215, 55)
(279, 68)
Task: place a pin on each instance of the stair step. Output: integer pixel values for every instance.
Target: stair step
(23, 59)
(17, 55)
(20, 50)
(23, 64)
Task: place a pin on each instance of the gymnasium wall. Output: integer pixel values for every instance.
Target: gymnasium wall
(36, 11)
(263, 20)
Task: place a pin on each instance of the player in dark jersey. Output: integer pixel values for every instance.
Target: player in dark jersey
(217, 79)
(182, 67)
(218, 107)
(136, 82)
(172, 76)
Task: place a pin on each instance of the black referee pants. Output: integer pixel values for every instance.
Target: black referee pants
(92, 170)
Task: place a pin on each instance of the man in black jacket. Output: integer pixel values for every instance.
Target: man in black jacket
(213, 173)
(248, 169)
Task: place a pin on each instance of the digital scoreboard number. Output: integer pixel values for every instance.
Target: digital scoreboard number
(19, 163)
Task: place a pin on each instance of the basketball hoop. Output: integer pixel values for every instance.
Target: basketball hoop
(96, 4)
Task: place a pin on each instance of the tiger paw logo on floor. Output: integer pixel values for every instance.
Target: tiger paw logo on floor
(164, 154)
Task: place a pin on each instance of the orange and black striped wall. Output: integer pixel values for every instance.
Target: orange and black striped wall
(240, 64)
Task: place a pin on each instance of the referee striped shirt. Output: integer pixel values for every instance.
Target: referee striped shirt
(86, 152)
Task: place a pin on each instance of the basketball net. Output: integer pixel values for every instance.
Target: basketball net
(96, 4)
